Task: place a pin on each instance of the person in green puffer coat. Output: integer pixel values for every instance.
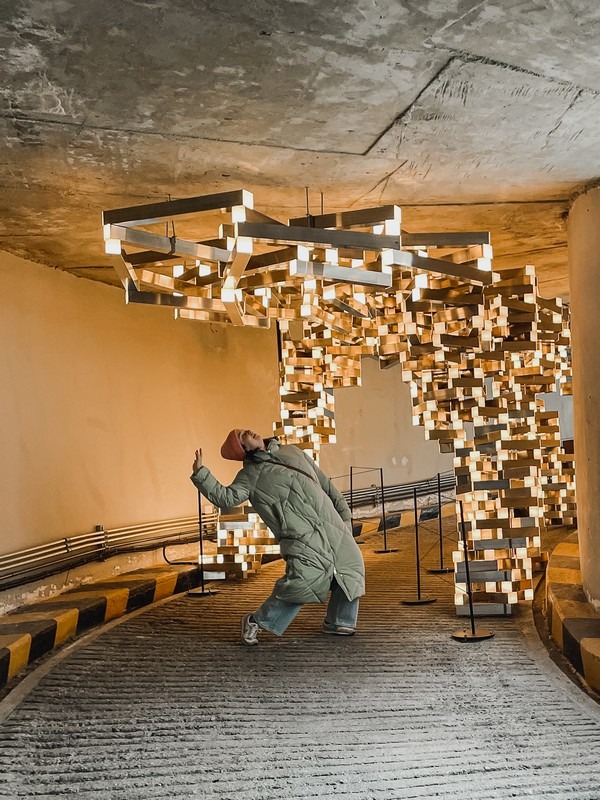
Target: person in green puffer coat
(311, 521)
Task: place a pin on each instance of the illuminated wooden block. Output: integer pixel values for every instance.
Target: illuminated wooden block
(429, 301)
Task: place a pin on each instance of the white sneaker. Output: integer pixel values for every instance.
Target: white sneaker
(338, 630)
(250, 631)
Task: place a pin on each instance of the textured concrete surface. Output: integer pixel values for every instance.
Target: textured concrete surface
(434, 104)
(169, 704)
(573, 621)
(584, 263)
(31, 631)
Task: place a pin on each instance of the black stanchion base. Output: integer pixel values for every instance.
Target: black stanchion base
(386, 551)
(440, 570)
(469, 636)
(200, 592)
(419, 601)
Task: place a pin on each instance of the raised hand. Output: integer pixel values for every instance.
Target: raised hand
(197, 461)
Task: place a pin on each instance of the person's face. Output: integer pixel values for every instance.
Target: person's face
(251, 440)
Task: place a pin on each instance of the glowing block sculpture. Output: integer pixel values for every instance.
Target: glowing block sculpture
(242, 540)
(558, 472)
(475, 346)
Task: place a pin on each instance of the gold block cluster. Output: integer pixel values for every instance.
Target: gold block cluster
(242, 540)
(476, 347)
(558, 473)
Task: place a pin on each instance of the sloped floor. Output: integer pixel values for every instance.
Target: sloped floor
(169, 704)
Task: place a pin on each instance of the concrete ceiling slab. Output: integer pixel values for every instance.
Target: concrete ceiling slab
(297, 75)
(521, 131)
(559, 39)
(468, 114)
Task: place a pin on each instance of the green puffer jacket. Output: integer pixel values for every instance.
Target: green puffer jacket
(307, 514)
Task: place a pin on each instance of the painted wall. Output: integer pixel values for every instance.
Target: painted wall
(102, 404)
(374, 429)
(584, 265)
(554, 401)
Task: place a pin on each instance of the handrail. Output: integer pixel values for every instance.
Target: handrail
(41, 561)
(44, 560)
(403, 491)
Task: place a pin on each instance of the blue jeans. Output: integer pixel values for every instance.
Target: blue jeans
(275, 615)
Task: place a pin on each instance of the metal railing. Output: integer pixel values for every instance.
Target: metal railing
(37, 563)
(404, 491)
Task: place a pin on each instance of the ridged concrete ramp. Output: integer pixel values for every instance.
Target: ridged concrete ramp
(168, 704)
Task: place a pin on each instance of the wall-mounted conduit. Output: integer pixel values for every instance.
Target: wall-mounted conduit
(37, 563)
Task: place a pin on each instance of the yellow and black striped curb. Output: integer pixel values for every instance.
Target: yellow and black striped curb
(30, 631)
(573, 622)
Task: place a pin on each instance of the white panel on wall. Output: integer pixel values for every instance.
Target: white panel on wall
(564, 405)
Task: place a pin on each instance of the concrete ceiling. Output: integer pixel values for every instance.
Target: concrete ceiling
(470, 115)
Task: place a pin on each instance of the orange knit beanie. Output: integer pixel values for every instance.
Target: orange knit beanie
(232, 447)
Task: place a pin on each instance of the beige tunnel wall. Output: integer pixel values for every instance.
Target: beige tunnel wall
(102, 404)
(374, 429)
(584, 265)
